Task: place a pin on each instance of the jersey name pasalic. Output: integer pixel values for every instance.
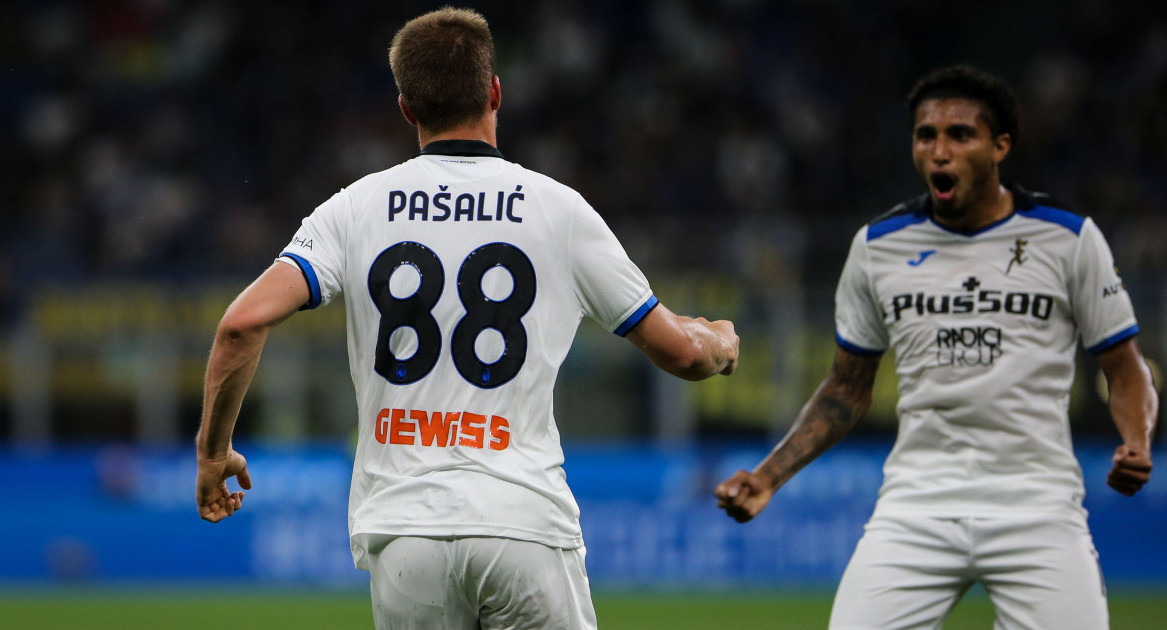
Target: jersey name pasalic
(420, 205)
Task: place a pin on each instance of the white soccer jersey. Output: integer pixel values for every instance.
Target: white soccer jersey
(464, 278)
(984, 328)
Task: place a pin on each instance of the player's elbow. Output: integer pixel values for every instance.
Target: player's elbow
(242, 323)
(853, 401)
(860, 404)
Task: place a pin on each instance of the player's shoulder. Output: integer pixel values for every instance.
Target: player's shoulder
(560, 204)
(543, 184)
(369, 191)
(902, 215)
(377, 179)
(1039, 206)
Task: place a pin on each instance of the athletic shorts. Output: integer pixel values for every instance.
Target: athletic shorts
(477, 582)
(1040, 572)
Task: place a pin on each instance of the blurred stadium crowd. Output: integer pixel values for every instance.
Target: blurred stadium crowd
(181, 141)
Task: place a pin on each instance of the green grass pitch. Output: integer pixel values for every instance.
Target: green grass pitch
(131, 609)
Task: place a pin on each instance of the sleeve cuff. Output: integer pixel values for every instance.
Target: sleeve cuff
(310, 277)
(854, 349)
(636, 316)
(1114, 339)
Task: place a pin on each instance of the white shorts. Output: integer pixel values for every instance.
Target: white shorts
(908, 571)
(472, 583)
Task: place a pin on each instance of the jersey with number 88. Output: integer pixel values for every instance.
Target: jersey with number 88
(482, 312)
(454, 370)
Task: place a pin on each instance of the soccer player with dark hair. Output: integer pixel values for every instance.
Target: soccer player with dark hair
(982, 291)
(464, 278)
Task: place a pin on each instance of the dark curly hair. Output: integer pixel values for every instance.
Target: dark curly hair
(963, 81)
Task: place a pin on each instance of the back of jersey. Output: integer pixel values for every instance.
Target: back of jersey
(464, 278)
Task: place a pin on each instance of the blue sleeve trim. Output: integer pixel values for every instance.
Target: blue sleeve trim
(1064, 218)
(1114, 340)
(854, 349)
(635, 318)
(894, 224)
(310, 276)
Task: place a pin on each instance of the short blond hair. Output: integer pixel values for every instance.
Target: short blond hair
(444, 65)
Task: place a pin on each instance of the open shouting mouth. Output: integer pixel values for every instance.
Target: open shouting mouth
(944, 186)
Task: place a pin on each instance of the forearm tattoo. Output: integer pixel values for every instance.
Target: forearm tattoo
(832, 411)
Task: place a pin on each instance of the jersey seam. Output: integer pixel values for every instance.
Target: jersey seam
(569, 240)
(1076, 269)
(352, 222)
(868, 279)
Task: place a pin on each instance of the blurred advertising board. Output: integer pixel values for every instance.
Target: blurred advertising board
(126, 514)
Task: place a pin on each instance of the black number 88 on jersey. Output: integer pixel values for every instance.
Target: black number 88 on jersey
(482, 312)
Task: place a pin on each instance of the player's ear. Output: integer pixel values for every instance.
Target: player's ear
(495, 94)
(1002, 143)
(405, 111)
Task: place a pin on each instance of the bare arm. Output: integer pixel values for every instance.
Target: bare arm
(273, 297)
(1134, 406)
(838, 403)
(692, 349)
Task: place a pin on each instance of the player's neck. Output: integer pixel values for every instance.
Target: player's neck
(994, 205)
(482, 129)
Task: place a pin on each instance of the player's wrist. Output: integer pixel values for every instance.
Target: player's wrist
(1140, 447)
(768, 480)
(211, 454)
